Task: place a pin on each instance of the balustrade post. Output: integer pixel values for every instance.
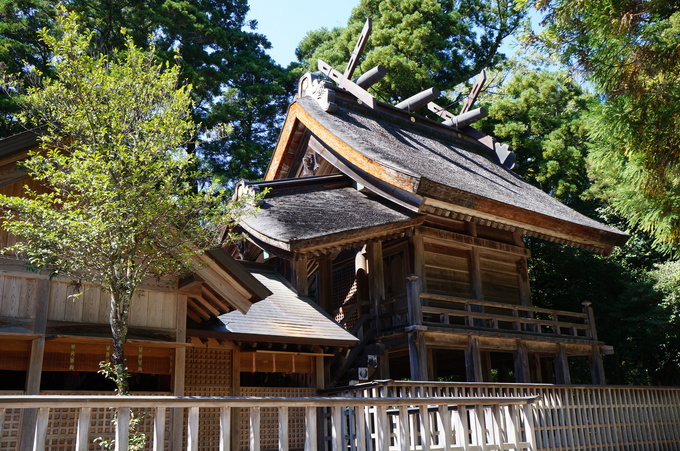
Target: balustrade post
(159, 429)
(310, 429)
(588, 310)
(83, 431)
(255, 429)
(123, 429)
(40, 438)
(225, 429)
(192, 429)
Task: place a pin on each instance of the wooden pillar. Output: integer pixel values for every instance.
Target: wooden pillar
(301, 275)
(522, 370)
(376, 279)
(418, 255)
(235, 391)
(413, 302)
(178, 373)
(523, 278)
(362, 293)
(562, 376)
(473, 361)
(417, 354)
(34, 373)
(325, 284)
(597, 367)
(588, 310)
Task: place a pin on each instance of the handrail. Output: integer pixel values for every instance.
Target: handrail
(80, 401)
(516, 317)
(528, 309)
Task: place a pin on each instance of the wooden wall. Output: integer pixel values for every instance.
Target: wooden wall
(150, 309)
(452, 269)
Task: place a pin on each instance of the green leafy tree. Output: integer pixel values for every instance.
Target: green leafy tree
(543, 116)
(547, 118)
(422, 43)
(237, 87)
(118, 202)
(628, 51)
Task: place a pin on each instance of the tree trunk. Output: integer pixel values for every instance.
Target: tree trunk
(119, 318)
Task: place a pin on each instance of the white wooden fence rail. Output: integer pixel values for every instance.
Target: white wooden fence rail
(568, 417)
(385, 424)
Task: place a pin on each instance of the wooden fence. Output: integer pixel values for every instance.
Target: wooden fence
(452, 423)
(568, 417)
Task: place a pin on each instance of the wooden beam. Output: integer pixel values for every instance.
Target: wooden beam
(301, 276)
(597, 367)
(358, 49)
(476, 89)
(179, 373)
(522, 370)
(562, 376)
(417, 355)
(35, 366)
(356, 90)
(198, 309)
(215, 300)
(469, 240)
(473, 361)
(376, 280)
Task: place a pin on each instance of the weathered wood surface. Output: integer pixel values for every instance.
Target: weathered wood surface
(353, 423)
(569, 417)
(455, 311)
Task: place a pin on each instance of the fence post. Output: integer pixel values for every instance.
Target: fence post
(43, 416)
(225, 429)
(529, 427)
(123, 429)
(310, 429)
(83, 431)
(192, 429)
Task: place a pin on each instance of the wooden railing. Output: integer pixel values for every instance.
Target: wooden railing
(418, 308)
(356, 423)
(449, 310)
(569, 417)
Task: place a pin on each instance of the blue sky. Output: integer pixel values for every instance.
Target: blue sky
(286, 22)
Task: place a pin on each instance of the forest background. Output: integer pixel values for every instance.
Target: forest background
(590, 107)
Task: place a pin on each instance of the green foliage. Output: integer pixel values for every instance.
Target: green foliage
(542, 115)
(236, 85)
(628, 52)
(117, 201)
(421, 43)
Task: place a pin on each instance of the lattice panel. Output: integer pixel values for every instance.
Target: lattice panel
(61, 429)
(208, 373)
(344, 294)
(269, 418)
(10, 427)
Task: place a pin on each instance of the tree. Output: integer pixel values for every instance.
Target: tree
(547, 118)
(118, 202)
(422, 44)
(237, 87)
(544, 117)
(628, 52)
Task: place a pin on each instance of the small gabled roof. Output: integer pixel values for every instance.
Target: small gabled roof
(282, 317)
(306, 215)
(424, 166)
